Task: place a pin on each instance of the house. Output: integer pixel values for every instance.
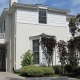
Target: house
(20, 28)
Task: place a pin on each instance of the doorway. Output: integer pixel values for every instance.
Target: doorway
(2, 60)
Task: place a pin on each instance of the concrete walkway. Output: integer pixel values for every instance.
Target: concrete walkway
(11, 76)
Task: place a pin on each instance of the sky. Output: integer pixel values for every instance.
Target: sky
(72, 5)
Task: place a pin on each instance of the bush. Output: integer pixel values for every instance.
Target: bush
(48, 71)
(27, 59)
(76, 70)
(36, 71)
(57, 69)
(68, 69)
(22, 71)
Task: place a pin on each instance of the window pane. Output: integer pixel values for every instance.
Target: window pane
(42, 16)
(36, 51)
(43, 60)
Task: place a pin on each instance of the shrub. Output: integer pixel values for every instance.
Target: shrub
(76, 70)
(48, 71)
(57, 69)
(36, 71)
(22, 71)
(27, 59)
(68, 68)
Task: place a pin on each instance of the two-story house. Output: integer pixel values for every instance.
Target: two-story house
(21, 27)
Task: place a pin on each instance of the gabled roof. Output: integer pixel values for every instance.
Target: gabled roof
(45, 35)
(42, 35)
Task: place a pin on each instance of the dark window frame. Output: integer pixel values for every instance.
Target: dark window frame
(4, 25)
(43, 16)
(36, 51)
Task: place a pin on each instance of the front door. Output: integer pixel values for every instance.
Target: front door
(2, 60)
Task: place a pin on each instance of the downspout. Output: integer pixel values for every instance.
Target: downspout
(10, 39)
(15, 41)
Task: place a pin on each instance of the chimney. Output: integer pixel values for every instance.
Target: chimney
(11, 2)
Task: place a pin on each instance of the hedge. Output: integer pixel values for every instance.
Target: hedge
(57, 69)
(36, 71)
(76, 70)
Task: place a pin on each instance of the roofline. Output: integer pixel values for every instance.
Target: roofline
(19, 5)
(5, 11)
(32, 6)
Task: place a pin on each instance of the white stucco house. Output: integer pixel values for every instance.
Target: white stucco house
(20, 28)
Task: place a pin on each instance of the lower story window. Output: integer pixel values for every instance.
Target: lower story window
(36, 51)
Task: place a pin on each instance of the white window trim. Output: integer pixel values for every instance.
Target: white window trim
(46, 15)
(40, 49)
(31, 46)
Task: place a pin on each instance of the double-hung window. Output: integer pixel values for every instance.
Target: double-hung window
(36, 51)
(43, 16)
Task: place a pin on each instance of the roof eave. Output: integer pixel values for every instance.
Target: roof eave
(18, 5)
(5, 11)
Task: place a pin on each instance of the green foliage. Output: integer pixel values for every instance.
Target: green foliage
(68, 69)
(23, 70)
(48, 43)
(36, 71)
(73, 51)
(76, 70)
(27, 59)
(57, 69)
(72, 26)
(48, 71)
(62, 53)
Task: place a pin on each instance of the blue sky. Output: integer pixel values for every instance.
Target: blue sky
(72, 5)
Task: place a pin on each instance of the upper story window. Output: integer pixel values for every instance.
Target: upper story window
(4, 25)
(43, 16)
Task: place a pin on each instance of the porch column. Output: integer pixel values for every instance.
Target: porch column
(40, 53)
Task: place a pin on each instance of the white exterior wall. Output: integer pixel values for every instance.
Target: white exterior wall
(27, 25)
(32, 16)
(24, 31)
(24, 24)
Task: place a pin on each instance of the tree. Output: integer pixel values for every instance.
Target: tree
(48, 45)
(74, 25)
(62, 52)
(73, 52)
(74, 43)
(27, 59)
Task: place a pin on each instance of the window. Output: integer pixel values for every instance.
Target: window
(42, 16)
(36, 51)
(4, 25)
